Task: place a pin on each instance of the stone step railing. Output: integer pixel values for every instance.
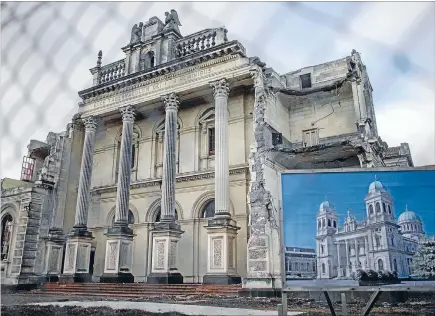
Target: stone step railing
(200, 41)
(112, 71)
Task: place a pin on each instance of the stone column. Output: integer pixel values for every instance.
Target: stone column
(221, 90)
(348, 270)
(366, 248)
(118, 260)
(357, 265)
(221, 229)
(338, 264)
(78, 245)
(167, 232)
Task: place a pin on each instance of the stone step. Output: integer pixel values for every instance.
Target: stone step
(137, 289)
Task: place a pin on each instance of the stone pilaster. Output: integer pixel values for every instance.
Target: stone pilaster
(167, 232)
(221, 230)
(119, 243)
(78, 245)
(264, 249)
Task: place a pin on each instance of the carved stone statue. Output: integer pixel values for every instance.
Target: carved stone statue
(136, 33)
(171, 21)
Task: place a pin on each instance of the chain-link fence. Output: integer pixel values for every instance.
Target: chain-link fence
(47, 49)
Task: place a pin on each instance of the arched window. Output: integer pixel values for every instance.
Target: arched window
(380, 265)
(335, 224)
(6, 235)
(323, 268)
(147, 60)
(319, 224)
(378, 207)
(322, 249)
(323, 223)
(384, 209)
(389, 209)
(159, 213)
(130, 218)
(392, 241)
(329, 222)
(371, 209)
(394, 265)
(208, 210)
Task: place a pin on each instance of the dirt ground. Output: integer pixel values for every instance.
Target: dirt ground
(12, 305)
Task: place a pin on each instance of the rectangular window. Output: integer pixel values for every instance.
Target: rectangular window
(311, 137)
(305, 81)
(211, 143)
(27, 169)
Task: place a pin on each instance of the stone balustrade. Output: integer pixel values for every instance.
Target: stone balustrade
(200, 41)
(112, 71)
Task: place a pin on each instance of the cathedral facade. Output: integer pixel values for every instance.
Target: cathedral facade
(379, 242)
(169, 171)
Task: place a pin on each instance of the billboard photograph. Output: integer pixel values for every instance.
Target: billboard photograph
(359, 228)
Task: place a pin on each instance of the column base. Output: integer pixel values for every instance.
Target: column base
(76, 278)
(221, 279)
(117, 278)
(165, 278)
(51, 278)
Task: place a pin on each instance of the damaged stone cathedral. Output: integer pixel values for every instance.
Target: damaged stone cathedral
(169, 171)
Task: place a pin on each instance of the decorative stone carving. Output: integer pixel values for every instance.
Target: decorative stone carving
(124, 255)
(171, 102)
(82, 258)
(217, 252)
(173, 258)
(221, 88)
(113, 252)
(136, 33)
(171, 21)
(231, 253)
(54, 259)
(160, 255)
(71, 256)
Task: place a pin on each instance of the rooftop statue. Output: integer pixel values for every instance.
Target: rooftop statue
(136, 33)
(172, 22)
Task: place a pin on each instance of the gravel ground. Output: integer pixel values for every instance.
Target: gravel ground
(422, 306)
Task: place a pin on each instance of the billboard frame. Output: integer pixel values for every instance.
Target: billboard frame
(325, 289)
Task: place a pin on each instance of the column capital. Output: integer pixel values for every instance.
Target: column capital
(128, 113)
(90, 123)
(221, 88)
(258, 77)
(171, 101)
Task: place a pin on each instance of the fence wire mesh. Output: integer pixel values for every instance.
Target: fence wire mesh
(47, 49)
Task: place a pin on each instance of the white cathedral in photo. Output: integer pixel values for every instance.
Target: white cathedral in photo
(378, 242)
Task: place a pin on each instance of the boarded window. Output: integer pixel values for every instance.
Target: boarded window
(306, 81)
(311, 137)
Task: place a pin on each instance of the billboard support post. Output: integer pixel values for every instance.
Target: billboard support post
(373, 298)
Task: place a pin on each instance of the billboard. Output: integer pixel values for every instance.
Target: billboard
(358, 227)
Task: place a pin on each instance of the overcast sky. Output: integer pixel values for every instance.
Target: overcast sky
(48, 48)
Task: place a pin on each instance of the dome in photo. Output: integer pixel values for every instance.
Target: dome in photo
(408, 216)
(376, 186)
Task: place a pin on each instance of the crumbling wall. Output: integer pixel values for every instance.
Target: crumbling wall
(331, 113)
(322, 74)
(263, 269)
